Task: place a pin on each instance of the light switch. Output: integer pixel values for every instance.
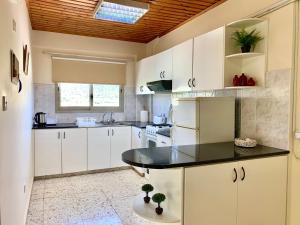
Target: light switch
(4, 103)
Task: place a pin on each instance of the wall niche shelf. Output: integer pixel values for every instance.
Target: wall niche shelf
(252, 64)
(147, 211)
(244, 55)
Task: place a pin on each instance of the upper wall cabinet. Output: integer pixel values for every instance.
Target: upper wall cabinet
(208, 61)
(145, 72)
(164, 65)
(252, 64)
(183, 66)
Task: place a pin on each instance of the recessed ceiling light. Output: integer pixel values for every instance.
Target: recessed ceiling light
(123, 11)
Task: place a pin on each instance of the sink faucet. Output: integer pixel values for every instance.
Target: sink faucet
(103, 117)
(111, 118)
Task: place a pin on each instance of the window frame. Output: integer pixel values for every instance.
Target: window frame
(91, 108)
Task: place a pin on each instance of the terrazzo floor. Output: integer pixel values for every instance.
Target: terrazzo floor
(94, 199)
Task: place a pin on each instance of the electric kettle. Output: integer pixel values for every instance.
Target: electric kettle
(40, 118)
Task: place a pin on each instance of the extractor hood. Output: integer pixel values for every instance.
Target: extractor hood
(160, 86)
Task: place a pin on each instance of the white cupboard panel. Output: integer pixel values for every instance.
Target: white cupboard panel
(184, 136)
(185, 113)
(164, 65)
(210, 195)
(262, 190)
(208, 66)
(120, 142)
(47, 152)
(98, 148)
(182, 66)
(74, 150)
(145, 72)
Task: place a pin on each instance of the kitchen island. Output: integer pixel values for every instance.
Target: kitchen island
(214, 184)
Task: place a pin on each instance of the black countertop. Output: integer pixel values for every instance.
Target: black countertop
(138, 124)
(191, 155)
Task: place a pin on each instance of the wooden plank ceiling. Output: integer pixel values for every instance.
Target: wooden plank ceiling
(76, 17)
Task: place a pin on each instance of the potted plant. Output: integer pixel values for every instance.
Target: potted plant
(158, 198)
(247, 40)
(147, 188)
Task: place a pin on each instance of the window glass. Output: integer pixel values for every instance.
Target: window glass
(74, 95)
(105, 95)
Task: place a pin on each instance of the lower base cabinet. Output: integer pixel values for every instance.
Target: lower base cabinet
(250, 192)
(99, 148)
(74, 150)
(120, 142)
(47, 145)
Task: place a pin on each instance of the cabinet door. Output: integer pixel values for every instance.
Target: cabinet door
(120, 142)
(210, 195)
(262, 191)
(182, 66)
(208, 66)
(74, 150)
(47, 152)
(164, 65)
(144, 73)
(98, 148)
(136, 141)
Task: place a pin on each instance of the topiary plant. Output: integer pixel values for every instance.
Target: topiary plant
(147, 188)
(159, 198)
(246, 39)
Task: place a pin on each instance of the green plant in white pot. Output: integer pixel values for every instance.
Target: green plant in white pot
(247, 40)
(158, 198)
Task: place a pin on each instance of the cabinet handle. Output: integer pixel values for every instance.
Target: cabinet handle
(139, 134)
(235, 175)
(244, 174)
(64, 135)
(58, 135)
(160, 75)
(189, 83)
(193, 82)
(108, 132)
(163, 74)
(163, 142)
(112, 132)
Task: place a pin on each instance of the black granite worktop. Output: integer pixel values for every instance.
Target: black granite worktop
(138, 124)
(192, 155)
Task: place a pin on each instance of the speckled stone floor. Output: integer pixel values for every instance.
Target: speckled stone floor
(94, 199)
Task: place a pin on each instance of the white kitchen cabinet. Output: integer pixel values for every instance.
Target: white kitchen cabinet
(208, 60)
(120, 142)
(47, 145)
(74, 150)
(210, 195)
(262, 192)
(164, 65)
(99, 148)
(145, 72)
(183, 66)
(138, 138)
(250, 192)
(163, 141)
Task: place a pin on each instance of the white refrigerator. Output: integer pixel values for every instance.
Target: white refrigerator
(203, 120)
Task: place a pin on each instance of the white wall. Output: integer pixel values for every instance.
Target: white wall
(16, 165)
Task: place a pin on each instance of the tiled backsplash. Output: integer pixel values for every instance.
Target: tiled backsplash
(265, 111)
(44, 99)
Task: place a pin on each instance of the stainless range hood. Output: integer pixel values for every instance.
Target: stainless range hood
(160, 86)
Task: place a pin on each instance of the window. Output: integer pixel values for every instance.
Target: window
(89, 97)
